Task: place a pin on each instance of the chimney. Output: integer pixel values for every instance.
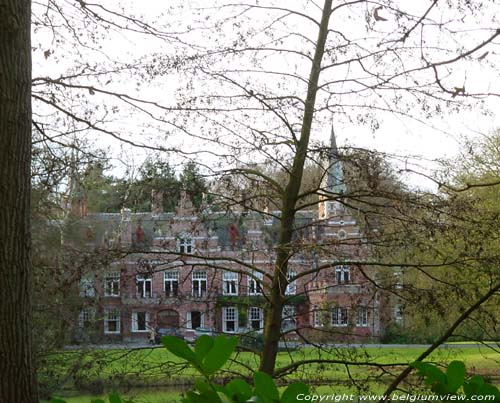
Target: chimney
(126, 227)
(156, 202)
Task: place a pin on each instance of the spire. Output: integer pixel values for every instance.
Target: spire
(335, 174)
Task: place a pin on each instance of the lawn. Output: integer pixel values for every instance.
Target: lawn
(141, 372)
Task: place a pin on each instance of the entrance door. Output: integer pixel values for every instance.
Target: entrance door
(168, 318)
(195, 319)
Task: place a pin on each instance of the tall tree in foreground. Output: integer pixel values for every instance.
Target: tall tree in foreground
(17, 376)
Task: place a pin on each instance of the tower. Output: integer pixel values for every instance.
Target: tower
(333, 184)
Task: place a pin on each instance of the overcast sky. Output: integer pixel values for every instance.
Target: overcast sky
(436, 137)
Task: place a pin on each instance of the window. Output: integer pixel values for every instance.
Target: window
(140, 322)
(185, 245)
(86, 318)
(87, 288)
(288, 319)
(398, 279)
(342, 234)
(330, 206)
(111, 320)
(339, 316)
(229, 319)
(318, 317)
(112, 284)
(199, 279)
(342, 275)
(230, 283)
(291, 288)
(171, 283)
(144, 287)
(195, 319)
(398, 313)
(254, 285)
(255, 318)
(362, 316)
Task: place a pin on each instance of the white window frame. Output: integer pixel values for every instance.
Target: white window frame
(362, 316)
(340, 316)
(135, 322)
(318, 317)
(189, 322)
(331, 208)
(229, 314)
(85, 315)
(112, 284)
(142, 283)
(171, 277)
(342, 274)
(254, 286)
(198, 277)
(87, 289)
(398, 277)
(229, 283)
(112, 314)
(398, 313)
(289, 317)
(256, 314)
(185, 244)
(291, 288)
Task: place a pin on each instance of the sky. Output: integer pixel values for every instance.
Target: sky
(183, 29)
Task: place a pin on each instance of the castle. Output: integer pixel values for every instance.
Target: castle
(196, 268)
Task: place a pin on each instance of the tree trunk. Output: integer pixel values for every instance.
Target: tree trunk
(17, 373)
(272, 331)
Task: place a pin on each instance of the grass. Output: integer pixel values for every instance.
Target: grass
(146, 369)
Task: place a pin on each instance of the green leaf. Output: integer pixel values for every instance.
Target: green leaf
(472, 386)
(201, 386)
(223, 398)
(455, 375)
(292, 391)
(192, 397)
(265, 387)
(433, 376)
(205, 397)
(54, 400)
(238, 390)
(97, 401)
(489, 390)
(219, 354)
(430, 372)
(202, 346)
(114, 398)
(179, 348)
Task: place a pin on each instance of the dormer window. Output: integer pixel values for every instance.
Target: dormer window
(186, 245)
(291, 288)
(330, 206)
(342, 274)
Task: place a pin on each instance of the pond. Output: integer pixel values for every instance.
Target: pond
(139, 395)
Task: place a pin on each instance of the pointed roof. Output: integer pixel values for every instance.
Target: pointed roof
(335, 174)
